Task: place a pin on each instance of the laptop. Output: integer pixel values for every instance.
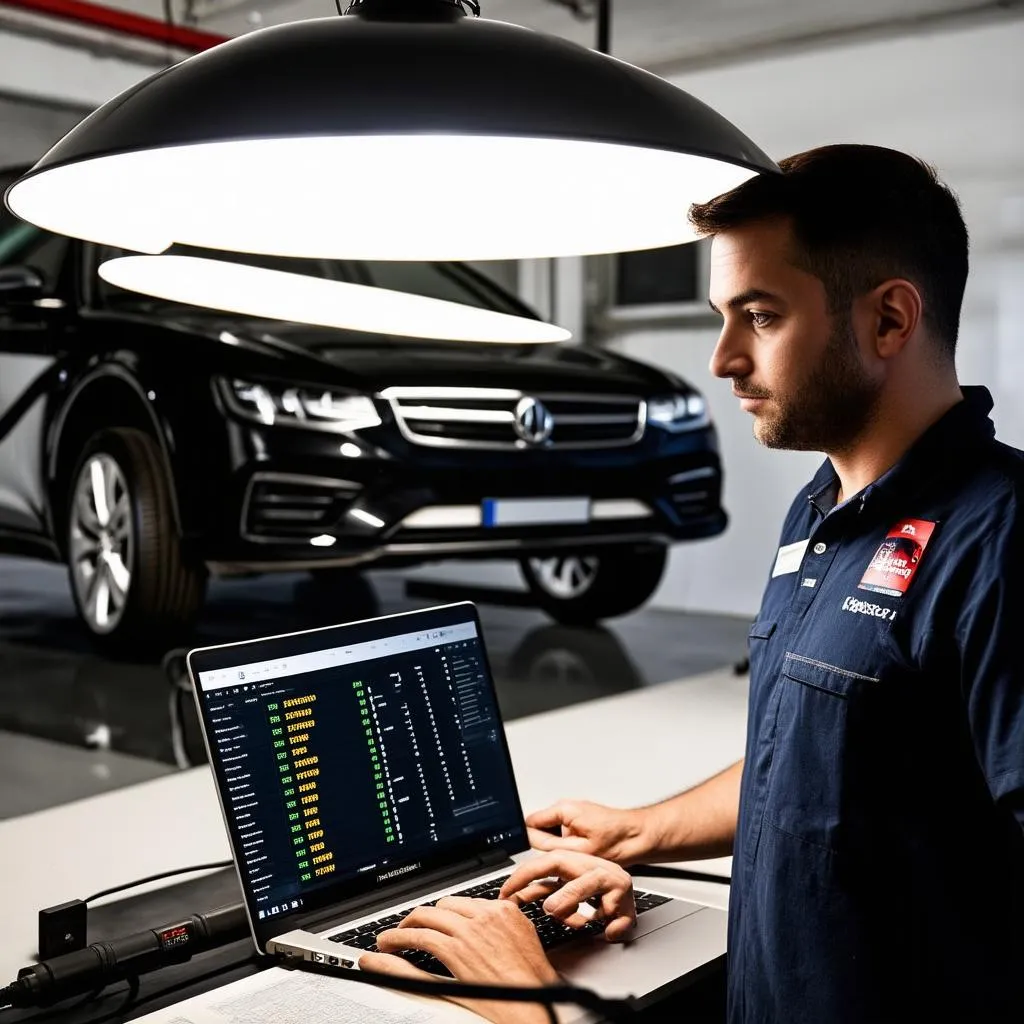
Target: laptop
(362, 770)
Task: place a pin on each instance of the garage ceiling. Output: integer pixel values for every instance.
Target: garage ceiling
(665, 34)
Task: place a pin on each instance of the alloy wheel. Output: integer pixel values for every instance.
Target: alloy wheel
(102, 542)
(565, 577)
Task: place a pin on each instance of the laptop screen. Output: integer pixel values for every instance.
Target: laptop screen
(356, 755)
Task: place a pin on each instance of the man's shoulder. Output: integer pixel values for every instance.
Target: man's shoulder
(998, 476)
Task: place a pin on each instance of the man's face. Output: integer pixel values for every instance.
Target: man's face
(794, 367)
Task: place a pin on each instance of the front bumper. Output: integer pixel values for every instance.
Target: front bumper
(294, 502)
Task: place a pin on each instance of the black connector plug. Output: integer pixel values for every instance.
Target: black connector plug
(63, 929)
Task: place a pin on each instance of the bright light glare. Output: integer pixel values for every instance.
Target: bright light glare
(366, 517)
(293, 197)
(350, 450)
(324, 540)
(281, 295)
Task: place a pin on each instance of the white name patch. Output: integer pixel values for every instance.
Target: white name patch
(789, 558)
(859, 607)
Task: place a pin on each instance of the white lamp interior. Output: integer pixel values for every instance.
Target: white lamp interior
(407, 197)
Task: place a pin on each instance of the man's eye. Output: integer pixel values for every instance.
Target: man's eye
(759, 319)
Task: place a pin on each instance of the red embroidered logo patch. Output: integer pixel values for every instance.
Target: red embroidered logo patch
(896, 561)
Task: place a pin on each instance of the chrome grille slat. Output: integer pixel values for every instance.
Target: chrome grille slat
(298, 499)
(483, 418)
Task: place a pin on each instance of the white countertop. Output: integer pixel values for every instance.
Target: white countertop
(626, 750)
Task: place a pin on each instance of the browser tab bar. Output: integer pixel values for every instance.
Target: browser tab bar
(261, 671)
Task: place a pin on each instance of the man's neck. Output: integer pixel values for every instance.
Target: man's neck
(893, 431)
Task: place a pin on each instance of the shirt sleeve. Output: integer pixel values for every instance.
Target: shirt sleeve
(991, 646)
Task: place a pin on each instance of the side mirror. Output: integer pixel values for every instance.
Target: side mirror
(20, 284)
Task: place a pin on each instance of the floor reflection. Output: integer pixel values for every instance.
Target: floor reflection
(53, 684)
(551, 667)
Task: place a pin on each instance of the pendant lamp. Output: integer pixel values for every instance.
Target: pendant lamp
(402, 130)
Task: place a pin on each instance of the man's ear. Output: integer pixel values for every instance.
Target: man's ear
(896, 309)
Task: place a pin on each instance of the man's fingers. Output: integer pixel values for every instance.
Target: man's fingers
(440, 919)
(619, 930)
(557, 864)
(426, 939)
(533, 891)
(545, 841)
(385, 963)
(533, 870)
(619, 903)
(563, 903)
(466, 906)
(550, 817)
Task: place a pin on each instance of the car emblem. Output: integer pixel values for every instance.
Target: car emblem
(533, 421)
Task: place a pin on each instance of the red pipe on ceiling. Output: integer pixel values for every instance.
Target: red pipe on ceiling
(122, 22)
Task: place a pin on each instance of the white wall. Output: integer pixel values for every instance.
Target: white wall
(30, 128)
(953, 98)
(39, 69)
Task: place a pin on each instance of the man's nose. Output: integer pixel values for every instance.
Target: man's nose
(730, 358)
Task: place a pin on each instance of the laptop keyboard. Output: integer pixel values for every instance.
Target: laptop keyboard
(550, 930)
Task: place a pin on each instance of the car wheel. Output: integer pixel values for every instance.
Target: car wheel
(132, 584)
(583, 589)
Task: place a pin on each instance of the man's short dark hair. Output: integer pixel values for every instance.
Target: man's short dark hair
(860, 215)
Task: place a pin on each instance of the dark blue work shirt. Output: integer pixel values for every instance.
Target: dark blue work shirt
(878, 871)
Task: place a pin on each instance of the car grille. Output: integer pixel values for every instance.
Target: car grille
(282, 507)
(497, 418)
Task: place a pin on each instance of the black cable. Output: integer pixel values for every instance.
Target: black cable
(118, 1014)
(156, 878)
(546, 995)
(683, 874)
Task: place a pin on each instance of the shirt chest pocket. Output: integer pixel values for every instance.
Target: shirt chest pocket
(819, 740)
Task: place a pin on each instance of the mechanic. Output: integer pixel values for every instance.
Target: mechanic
(876, 821)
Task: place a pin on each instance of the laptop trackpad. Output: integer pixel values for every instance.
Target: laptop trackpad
(657, 917)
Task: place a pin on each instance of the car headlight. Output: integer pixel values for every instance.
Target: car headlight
(678, 412)
(312, 408)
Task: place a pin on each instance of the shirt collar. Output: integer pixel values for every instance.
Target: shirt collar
(940, 449)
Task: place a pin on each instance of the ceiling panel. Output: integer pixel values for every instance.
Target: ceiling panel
(651, 33)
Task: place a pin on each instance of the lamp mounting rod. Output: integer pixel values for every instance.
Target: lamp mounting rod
(604, 26)
(585, 10)
(413, 10)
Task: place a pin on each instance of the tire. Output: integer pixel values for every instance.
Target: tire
(134, 588)
(580, 590)
(567, 661)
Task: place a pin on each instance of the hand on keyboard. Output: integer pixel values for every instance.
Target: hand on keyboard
(487, 941)
(563, 881)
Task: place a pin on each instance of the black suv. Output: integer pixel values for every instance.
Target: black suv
(147, 444)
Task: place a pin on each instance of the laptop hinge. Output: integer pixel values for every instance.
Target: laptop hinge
(401, 892)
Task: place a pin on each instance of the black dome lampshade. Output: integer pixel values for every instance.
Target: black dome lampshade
(378, 134)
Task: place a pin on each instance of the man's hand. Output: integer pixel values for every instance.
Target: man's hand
(489, 942)
(607, 832)
(578, 878)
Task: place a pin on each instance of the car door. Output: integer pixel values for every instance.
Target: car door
(33, 326)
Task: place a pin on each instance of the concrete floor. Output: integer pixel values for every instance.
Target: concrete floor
(73, 723)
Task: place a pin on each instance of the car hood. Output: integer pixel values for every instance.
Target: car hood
(373, 362)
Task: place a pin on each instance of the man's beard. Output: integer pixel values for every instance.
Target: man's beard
(832, 406)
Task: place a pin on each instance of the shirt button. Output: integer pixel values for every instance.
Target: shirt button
(820, 549)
